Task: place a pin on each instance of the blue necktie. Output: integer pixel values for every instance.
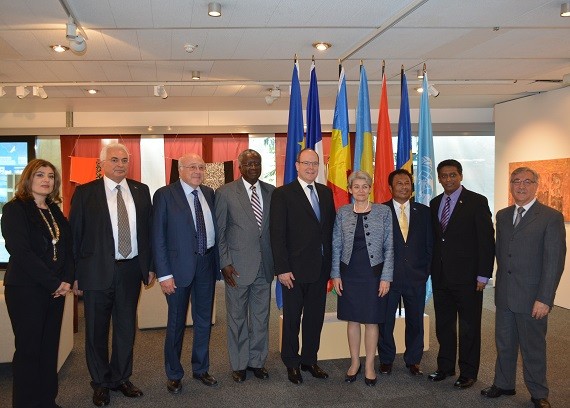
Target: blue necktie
(445, 214)
(200, 225)
(315, 202)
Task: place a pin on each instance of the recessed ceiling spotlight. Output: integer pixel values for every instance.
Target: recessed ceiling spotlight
(565, 10)
(214, 9)
(195, 75)
(322, 46)
(59, 48)
(92, 91)
(189, 48)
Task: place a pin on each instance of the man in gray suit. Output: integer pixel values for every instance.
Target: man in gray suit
(242, 214)
(531, 249)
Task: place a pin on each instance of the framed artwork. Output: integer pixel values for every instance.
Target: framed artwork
(554, 184)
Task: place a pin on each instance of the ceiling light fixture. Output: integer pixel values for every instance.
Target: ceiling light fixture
(22, 92)
(160, 91)
(59, 48)
(419, 89)
(2, 91)
(433, 91)
(420, 74)
(76, 42)
(322, 46)
(189, 48)
(195, 75)
(92, 91)
(214, 9)
(274, 94)
(565, 10)
(39, 91)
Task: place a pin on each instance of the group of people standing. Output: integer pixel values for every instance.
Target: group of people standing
(250, 231)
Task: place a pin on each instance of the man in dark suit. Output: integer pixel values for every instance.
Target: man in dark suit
(110, 220)
(531, 250)
(462, 264)
(413, 243)
(302, 219)
(242, 215)
(186, 259)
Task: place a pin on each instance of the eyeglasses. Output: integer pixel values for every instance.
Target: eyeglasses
(309, 164)
(251, 165)
(116, 160)
(194, 167)
(526, 182)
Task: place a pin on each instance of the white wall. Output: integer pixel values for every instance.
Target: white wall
(533, 128)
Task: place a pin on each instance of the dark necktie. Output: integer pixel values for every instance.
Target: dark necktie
(520, 211)
(256, 206)
(315, 202)
(445, 214)
(200, 225)
(123, 227)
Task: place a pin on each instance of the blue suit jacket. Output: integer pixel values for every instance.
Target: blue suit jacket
(412, 258)
(174, 238)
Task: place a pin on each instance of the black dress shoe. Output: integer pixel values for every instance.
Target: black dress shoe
(414, 369)
(238, 376)
(294, 376)
(352, 378)
(101, 396)
(174, 386)
(259, 372)
(315, 371)
(464, 382)
(495, 392)
(385, 368)
(370, 382)
(540, 402)
(440, 375)
(206, 379)
(129, 390)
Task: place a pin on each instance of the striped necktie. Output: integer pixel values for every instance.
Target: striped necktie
(256, 206)
(445, 214)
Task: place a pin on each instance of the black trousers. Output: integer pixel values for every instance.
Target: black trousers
(120, 303)
(466, 303)
(36, 320)
(308, 299)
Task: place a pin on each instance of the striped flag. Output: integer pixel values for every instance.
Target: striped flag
(363, 151)
(314, 135)
(404, 153)
(384, 159)
(339, 162)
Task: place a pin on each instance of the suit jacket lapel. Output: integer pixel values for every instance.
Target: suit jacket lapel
(243, 198)
(182, 202)
(265, 196)
(101, 200)
(397, 231)
(527, 219)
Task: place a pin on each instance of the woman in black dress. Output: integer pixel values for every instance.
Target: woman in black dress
(363, 264)
(39, 275)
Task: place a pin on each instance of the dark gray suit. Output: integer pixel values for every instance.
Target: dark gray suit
(243, 245)
(530, 262)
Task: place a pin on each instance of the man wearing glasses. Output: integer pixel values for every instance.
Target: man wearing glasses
(186, 261)
(531, 250)
(302, 219)
(462, 263)
(242, 215)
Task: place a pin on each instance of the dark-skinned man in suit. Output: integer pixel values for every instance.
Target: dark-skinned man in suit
(531, 250)
(463, 255)
(302, 220)
(113, 256)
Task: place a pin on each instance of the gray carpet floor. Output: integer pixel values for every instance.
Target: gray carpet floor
(396, 390)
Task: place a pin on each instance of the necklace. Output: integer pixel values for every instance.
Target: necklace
(54, 232)
(367, 206)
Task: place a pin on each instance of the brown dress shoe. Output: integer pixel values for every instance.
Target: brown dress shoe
(315, 371)
(129, 390)
(238, 376)
(540, 402)
(174, 386)
(101, 396)
(414, 369)
(206, 379)
(464, 382)
(385, 368)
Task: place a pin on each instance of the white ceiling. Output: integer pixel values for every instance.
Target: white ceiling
(478, 53)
